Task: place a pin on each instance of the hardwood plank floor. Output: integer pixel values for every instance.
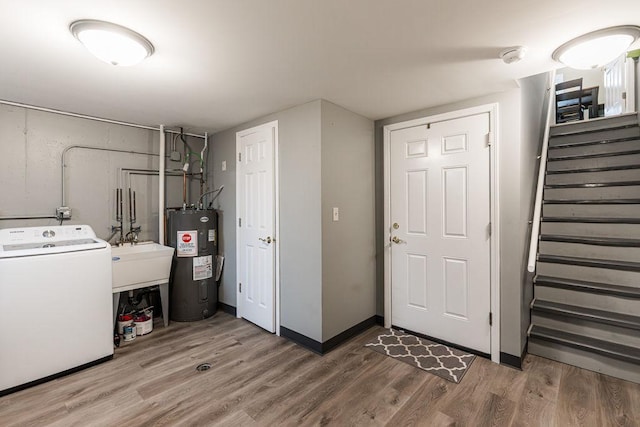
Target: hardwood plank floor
(258, 379)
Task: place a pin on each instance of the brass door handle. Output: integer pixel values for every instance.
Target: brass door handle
(267, 240)
(395, 239)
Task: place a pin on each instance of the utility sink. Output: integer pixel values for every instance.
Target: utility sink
(140, 265)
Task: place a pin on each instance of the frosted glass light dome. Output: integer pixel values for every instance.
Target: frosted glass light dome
(112, 43)
(597, 48)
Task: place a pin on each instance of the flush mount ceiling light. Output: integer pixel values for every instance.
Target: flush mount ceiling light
(112, 43)
(597, 48)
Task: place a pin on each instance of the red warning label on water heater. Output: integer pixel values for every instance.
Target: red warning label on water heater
(187, 243)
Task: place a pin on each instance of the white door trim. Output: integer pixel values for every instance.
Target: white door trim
(276, 204)
(492, 109)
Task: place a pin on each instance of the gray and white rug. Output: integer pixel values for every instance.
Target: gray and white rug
(445, 362)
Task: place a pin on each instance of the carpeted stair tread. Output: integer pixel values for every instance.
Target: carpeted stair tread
(594, 315)
(590, 262)
(606, 348)
(598, 241)
(586, 286)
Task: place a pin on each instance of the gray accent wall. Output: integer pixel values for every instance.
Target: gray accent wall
(325, 156)
(348, 245)
(534, 101)
(31, 145)
(300, 235)
(513, 216)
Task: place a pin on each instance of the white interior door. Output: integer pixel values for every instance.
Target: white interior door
(440, 230)
(615, 87)
(256, 255)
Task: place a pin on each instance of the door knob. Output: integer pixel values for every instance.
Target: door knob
(267, 240)
(395, 239)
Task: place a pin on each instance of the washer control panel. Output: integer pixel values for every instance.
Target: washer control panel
(45, 234)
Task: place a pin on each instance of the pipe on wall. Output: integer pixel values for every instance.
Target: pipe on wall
(161, 203)
(25, 217)
(96, 119)
(88, 147)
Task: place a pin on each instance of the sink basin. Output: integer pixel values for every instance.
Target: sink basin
(140, 265)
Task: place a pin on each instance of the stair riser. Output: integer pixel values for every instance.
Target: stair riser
(598, 162)
(606, 176)
(587, 328)
(606, 211)
(590, 251)
(622, 192)
(605, 134)
(630, 119)
(586, 360)
(629, 231)
(603, 275)
(603, 148)
(583, 299)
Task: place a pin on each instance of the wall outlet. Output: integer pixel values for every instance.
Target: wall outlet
(336, 214)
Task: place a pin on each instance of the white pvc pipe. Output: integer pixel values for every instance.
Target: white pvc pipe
(537, 209)
(161, 167)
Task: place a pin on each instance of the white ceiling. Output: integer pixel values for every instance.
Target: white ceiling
(219, 63)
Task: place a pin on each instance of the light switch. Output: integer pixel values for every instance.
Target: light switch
(336, 214)
(224, 165)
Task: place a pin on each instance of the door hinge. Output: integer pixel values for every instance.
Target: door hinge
(240, 286)
(489, 229)
(490, 319)
(239, 157)
(489, 139)
(239, 222)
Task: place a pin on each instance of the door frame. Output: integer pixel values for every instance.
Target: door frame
(494, 204)
(276, 205)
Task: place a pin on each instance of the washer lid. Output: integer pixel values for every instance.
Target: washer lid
(30, 241)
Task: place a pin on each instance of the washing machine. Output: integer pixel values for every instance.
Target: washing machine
(55, 303)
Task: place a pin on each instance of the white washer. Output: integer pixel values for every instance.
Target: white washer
(55, 303)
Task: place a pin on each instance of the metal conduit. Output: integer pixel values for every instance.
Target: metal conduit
(88, 147)
(97, 119)
(24, 217)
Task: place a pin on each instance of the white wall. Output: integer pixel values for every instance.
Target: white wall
(30, 170)
(348, 245)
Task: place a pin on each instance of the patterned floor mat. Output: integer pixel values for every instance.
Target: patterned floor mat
(445, 362)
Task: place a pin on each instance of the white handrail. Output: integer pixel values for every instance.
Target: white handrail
(537, 209)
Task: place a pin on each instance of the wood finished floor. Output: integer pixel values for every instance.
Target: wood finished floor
(258, 379)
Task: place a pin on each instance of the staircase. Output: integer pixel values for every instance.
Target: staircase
(586, 310)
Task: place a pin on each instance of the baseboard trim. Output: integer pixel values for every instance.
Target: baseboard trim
(379, 320)
(511, 360)
(302, 340)
(330, 344)
(227, 308)
(334, 342)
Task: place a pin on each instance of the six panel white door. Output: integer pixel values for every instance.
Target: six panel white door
(256, 226)
(440, 214)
